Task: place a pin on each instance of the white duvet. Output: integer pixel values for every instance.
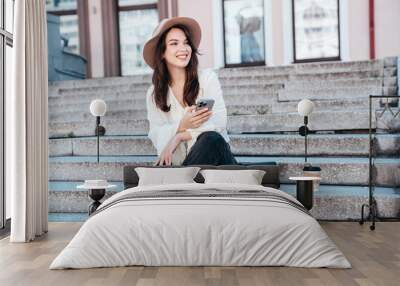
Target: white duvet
(183, 231)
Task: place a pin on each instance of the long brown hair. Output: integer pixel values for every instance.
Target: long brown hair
(161, 77)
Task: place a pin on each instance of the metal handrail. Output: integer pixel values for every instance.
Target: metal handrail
(372, 204)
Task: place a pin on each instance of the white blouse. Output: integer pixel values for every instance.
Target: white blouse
(164, 125)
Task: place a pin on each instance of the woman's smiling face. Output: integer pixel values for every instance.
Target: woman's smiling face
(178, 51)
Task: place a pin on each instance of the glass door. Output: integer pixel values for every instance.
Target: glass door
(6, 43)
(2, 93)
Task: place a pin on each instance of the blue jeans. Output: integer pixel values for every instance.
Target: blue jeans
(210, 149)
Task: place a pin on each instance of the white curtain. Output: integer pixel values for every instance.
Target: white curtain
(26, 123)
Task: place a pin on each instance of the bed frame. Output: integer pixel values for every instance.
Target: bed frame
(270, 179)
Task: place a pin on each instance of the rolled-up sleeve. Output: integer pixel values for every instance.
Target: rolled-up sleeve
(217, 122)
(161, 130)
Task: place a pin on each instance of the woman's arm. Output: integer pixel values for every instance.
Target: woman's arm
(217, 122)
(160, 130)
(166, 155)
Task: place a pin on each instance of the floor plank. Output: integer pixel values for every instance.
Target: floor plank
(374, 255)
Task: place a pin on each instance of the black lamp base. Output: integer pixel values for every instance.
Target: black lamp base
(96, 195)
(303, 130)
(100, 130)
(304, 193)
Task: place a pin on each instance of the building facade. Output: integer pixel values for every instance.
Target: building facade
(110, 33)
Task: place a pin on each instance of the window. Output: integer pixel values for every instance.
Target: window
(316, 30)
(243, 22)
(6, 43)
(69, 26)
(137, 19)
(74, 27)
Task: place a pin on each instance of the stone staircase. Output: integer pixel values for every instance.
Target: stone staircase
(262, 122)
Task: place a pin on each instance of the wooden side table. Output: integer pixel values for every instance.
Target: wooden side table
(304, 190)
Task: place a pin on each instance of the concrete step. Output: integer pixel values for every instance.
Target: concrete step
(86, 98)
(94, 82)
(390, 61)
(238, 97)
(329, 93)
(266, 104)
(335, 170)
(318, 121)
(313, 77)
(68, 217)
(298, 80)
(329, 98)
(308, 68)
(126, 113)
(101, 90)
(352, 72)
(110, 85)
(354, 66)
(249, 144)
(342, 83)
(87, 127)
(277, 122)
(342, 78)
(113, 92)
(390, 71)
(73, 116)
(330, 202)
(232, 87)
(123, 102)
(65, 197)
(83, 105)
(344, 202)
(326, 105)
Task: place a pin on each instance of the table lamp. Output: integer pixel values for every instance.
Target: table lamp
(98, 108)
(305, 108)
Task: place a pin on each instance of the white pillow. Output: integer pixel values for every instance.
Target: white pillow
(248, 177)
(166, 176)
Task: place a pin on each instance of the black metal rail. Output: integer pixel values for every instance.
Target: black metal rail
(372, 204)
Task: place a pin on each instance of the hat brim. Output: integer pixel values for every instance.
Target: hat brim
(150, 46)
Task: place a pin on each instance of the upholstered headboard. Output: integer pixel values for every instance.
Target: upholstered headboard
(271, 177)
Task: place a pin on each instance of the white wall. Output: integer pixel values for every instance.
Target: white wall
(96, 38)
(201, 11)
(387, 25)
(358, 29)
(277, 19)
(218, 29)
(354, 31)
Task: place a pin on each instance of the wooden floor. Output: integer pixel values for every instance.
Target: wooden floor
(375, 257)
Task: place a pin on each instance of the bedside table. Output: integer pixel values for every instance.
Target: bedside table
(96, 191)
(304, 190)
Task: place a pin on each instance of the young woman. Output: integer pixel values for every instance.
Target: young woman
(182, 134)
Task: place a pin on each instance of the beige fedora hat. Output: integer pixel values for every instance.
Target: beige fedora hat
(150, 46)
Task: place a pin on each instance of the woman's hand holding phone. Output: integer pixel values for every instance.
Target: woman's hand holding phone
(194, 119)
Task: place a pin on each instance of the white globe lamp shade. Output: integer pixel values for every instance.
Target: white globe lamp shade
(305, 107)
(98, 107)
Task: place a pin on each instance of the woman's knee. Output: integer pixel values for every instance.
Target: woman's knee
(212, 137)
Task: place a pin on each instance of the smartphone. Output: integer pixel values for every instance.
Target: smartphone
(205, 103)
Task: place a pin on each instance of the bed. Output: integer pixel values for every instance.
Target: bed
(197, 224)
